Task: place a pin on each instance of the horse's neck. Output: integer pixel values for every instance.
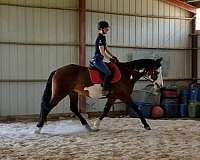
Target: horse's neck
(133, 69)
(137, 65)
(131, 72)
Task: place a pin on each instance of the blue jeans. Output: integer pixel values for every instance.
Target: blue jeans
(101, 66)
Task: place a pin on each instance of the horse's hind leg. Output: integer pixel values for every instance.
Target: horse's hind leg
(56, 95)
(45, 101)
(45, 110)
(74, 108)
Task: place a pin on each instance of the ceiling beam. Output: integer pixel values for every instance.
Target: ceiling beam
(182, 5)
(192, 1)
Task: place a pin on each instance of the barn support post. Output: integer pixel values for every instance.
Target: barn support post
(82, 47)
(194, 50)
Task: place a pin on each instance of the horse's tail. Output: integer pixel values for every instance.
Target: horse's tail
(45, 108)
(47, 92)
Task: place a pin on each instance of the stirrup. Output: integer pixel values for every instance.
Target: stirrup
(105, 92)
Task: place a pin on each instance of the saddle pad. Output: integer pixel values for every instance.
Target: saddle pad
(96, 76)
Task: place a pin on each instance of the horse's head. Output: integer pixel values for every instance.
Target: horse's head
(147, 68)
(153, 72)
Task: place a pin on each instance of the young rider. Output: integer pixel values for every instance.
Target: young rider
(101, 52)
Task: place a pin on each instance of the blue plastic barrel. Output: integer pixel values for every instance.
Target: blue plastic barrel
(171, 107)
(185, 92)
(194, 94)
(185, 96)
(194, 109)
(183, 110)
(198, 96)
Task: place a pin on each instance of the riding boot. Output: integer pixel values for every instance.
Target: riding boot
(106, 89)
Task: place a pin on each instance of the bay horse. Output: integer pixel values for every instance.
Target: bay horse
(72, 79)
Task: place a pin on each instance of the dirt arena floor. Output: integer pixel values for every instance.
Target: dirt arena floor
(118, 139)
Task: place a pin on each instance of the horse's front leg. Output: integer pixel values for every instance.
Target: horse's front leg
(107, 107)
(144, 122)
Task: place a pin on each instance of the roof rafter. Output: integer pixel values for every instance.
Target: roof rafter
(182, 5)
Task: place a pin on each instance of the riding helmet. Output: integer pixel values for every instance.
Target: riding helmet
(102, 25)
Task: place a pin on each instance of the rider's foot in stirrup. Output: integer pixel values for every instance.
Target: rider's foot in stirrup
(105, 92)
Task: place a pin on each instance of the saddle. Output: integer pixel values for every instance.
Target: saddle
(96, 76)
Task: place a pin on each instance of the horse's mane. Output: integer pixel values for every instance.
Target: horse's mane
(138, 64)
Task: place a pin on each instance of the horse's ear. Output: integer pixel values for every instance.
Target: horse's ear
(159, 60)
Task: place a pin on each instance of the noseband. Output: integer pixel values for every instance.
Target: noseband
(147, 78)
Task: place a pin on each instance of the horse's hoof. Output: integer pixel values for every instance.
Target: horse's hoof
(40, 124)
(88, 128)
(95, 129)
(96, 124)
(38, 131)
(147, 127)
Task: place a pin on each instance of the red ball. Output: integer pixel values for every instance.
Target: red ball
(157, 112)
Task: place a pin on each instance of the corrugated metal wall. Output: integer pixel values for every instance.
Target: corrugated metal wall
(41, 40)
(139, 29)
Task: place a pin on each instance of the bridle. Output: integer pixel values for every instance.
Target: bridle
(147, 78)
(145, 75)
(155, 81)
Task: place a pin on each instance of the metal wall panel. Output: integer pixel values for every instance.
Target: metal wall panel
(141, 31)
(36, 25)
(39, 39)
(30, 63)
(34, 62)
(44, 3)
(25, 98)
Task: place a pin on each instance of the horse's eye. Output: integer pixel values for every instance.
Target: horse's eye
(156, 72)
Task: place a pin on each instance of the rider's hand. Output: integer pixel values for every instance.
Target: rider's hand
(114, 60)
